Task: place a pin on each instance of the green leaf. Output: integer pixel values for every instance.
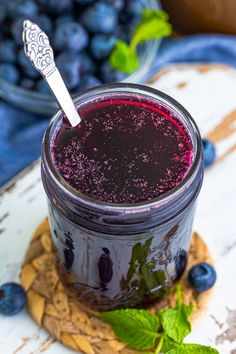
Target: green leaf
(150, 13)
(192, 349)
(175, 322)
(152, 25)
(145, 249)
(124, 58)
(152, 278)
(169, 344)
(137, 328)
(138, 258)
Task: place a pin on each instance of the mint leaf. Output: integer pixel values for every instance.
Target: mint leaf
(124, 58)
(150, 13)
(152, 279)
(171, 347)
(152, 25)
(175, 322)
(192, 349)
(137, 328)
(169, 344)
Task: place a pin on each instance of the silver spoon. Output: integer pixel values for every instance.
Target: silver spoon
(39, 52)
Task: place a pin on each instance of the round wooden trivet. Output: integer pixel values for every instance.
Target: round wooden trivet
(74, 325)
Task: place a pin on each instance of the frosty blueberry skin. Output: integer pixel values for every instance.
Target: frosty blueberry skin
(113, 255)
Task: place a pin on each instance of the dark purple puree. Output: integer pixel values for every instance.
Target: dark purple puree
(124, 151)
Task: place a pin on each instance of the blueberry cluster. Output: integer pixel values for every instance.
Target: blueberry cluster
(82, 33)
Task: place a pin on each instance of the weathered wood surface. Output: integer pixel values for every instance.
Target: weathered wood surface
(209, 93)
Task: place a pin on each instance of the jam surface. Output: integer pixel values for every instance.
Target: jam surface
(123, 151)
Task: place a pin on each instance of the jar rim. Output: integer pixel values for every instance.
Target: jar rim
(125, 208)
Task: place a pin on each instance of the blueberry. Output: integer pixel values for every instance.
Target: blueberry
(100, 18)
(90, 81)
(70, 35)
(58, 7)
(9, 72)
(25, 8)
(202, 276)
(209, 152)
(45, 23)
(135, 8)
(26, 65)
(88, 65)
(42, 87)
(16, 30)
(69, 65)
(108, 74)
(101, 45)
(117, 4)
(27, 84)
(12, 299)
(63, 19)
(7, 51)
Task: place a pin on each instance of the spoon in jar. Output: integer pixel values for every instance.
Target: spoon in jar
(39, 52)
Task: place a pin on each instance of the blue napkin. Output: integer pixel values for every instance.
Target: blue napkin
(21, 132)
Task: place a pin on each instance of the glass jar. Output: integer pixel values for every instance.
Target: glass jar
(119, 255)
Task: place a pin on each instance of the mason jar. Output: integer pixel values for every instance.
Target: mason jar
(120, 255)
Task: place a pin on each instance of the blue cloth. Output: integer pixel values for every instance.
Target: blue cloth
(21, 132)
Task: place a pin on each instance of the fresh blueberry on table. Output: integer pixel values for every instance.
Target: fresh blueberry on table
(102, 45)
(26, 65)
(90, 81)
(70, 35)
(108, 74)
(209, 152)
(12, 299)
(7, 51)
(202, 276)
(25, 8)
(100, 18)
(9, 73)
(69, 65)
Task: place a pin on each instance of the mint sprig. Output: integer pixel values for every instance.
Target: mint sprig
(138, 328)
(163, 332)
(153, 24)
(175, 320)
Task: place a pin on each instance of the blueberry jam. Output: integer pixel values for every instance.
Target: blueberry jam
(124, 151)
(117, 244)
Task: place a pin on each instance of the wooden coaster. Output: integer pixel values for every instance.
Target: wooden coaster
(76, 326)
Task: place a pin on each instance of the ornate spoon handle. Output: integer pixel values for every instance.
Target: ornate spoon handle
(39, 51)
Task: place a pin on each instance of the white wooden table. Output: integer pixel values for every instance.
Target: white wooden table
(209, 93)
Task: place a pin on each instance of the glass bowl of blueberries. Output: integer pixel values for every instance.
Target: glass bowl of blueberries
(82, 33)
